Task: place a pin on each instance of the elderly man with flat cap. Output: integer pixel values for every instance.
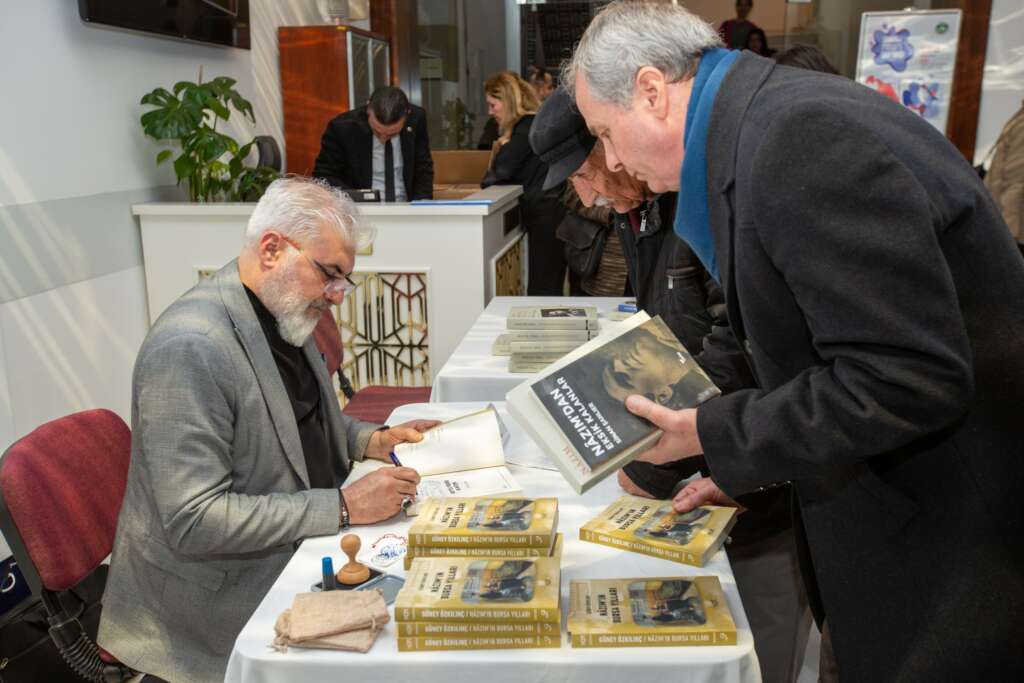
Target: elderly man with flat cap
(669, 280)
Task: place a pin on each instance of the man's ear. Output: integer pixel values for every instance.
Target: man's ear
(271, 245)
(650, 92)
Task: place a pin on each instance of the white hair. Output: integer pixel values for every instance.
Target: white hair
(301, 208)
(626, 36)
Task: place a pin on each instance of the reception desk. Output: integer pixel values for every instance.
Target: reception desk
(429, 272)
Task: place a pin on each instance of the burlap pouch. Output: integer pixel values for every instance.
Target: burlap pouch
(335, 620)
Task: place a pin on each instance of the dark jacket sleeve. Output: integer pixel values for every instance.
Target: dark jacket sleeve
(423, 177)
(511, 159)
(720, 356)
(330, 163)
(856, 243)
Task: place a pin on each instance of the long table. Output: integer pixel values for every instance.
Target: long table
(471, 373)
(253, 661)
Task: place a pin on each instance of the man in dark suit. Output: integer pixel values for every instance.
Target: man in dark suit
(381, 146)
(875, 291)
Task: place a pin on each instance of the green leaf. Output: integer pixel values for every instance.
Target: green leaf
(219, 109)
(158, 97)
(183, 167)
(163, 156)
(181, 85)
(241, 104)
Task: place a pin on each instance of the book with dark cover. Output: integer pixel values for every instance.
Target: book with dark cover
(576, 408)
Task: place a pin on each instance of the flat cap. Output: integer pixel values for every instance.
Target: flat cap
(559, 136)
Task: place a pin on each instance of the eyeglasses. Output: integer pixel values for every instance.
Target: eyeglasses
(333, 284)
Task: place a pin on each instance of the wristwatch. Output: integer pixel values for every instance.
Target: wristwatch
(343, 520)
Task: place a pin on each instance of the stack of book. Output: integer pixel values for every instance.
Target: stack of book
(483, 574)
(499, 528)
(540, 335)
(649, 612)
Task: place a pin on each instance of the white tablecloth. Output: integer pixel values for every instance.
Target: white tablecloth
(253, 661)
(473, 374)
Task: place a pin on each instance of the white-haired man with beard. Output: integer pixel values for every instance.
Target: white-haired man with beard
(238, 443)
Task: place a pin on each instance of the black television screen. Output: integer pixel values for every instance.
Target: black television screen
(222, 22)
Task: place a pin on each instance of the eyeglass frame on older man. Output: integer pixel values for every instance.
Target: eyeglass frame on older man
(342, 283)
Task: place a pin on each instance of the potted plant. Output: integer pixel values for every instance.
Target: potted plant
(211, 163)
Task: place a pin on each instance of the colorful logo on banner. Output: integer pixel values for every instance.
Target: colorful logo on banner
(922, 98)
(892, 46)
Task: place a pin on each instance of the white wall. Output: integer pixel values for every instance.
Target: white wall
(72, 160)
(1003, 86)
(69, 126)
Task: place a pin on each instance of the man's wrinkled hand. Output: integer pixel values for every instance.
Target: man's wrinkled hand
(701, 491)
(384, 441)
(379, 494)
(679, 439)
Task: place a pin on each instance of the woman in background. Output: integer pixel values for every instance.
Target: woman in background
(512, 102)
(757, 43)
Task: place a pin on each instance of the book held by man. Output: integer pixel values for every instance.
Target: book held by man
(575, 408)
(463, 457)
(647, 612)
(652, 527)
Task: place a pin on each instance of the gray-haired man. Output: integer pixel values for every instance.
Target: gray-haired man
(877, 294)
(238, 443)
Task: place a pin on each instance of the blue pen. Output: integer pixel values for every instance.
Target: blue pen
(394, 459)
(327, 568)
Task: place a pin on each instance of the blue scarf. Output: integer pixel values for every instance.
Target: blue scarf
(692, 223)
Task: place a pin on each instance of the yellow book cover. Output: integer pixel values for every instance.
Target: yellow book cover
(471, 589)
(649, 612)
(501, 552)
(477, 643)
(485, 522)
(413, 629)
(651, 527)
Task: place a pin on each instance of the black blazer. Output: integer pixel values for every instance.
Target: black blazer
(517, 164)
(876, 291)
(346, 153)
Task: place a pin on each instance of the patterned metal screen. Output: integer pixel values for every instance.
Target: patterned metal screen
(384, 330)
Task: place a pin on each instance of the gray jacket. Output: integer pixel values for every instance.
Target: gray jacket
(218, 494)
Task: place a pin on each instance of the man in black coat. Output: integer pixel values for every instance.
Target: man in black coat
(873, 286)
(359, 146)
(669, 280)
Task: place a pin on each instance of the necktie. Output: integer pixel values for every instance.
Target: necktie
(389, 172)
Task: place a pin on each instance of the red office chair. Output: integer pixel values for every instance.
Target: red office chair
(61, 488)
(372, 404)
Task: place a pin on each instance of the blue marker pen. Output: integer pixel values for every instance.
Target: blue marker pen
(394, 459)
(327, 568)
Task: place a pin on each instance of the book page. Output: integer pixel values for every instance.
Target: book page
(466, 443)
(489, 481)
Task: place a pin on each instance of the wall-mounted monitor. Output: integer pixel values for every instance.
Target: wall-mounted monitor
(220, 22)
